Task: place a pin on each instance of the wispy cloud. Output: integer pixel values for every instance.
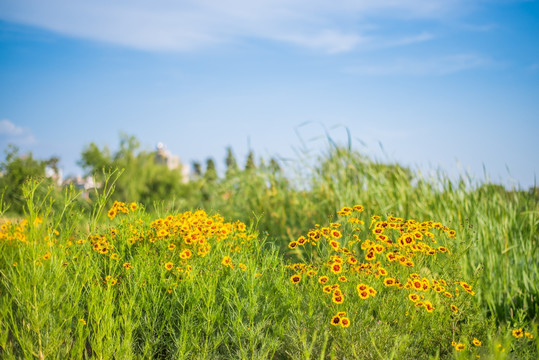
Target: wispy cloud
(330, 41)
(11, 133)
(430, 66)
(168, 25)
(479, 27)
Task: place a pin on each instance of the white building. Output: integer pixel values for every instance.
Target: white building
(163, 156)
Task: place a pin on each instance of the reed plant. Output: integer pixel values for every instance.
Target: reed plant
(360, 281)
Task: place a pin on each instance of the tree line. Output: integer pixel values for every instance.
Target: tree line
(143, 179)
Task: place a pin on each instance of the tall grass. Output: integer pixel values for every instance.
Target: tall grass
(497, 229)
(117, 282)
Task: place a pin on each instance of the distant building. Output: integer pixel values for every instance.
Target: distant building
(82, 183)
(55, 174)
(163, 156)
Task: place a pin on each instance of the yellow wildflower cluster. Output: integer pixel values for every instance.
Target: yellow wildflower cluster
(340, 319)
(187, 236)
(100, 244)
(109, 280)
(13, 231)
(519, 333)
(393, 244)
(120, 207)
(459, 346)
(193, 231)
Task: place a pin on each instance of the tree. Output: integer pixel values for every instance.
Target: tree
(197, 169)
(274, 165)
(250, 163)
(144, 179)
(231, 163)
(94, 159)
(14, 171)
(211, 173)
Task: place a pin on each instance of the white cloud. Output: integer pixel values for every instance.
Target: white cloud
(407, 40)
(431, 66)
(9, 129)
(329, 41)
(11, 133)
(168, 25)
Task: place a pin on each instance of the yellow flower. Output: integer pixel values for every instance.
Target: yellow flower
(336, 320)
(227, 261)
(112, 213)
(476, 342)
(518, 333)
(363, 294)
(295, 278)
(428, 305)
(345, 322)
(454, 308)
(127, 266)
(528, 335)
(336, 268)
(242, 266)
(371, 255)
(323, 279)
(82, 321)
(186, 254)
(460, 347)
(169, 265)
(301, 240)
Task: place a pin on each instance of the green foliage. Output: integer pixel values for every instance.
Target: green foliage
(210, 175)
(109, 292)
(498, 229)
(250, 163)
(145, 179)
(496, 248)
(230, 162)
(15, 170)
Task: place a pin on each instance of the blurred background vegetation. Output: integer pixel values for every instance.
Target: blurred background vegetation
(497, 227)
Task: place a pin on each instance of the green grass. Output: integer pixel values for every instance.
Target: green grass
(60, 297)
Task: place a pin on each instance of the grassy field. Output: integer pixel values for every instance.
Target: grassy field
(346, 259)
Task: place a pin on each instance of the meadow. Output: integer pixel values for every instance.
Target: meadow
(338, 257)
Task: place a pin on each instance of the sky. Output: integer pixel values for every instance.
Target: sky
(431, 84)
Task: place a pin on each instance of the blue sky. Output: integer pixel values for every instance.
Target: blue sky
(451, 84)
